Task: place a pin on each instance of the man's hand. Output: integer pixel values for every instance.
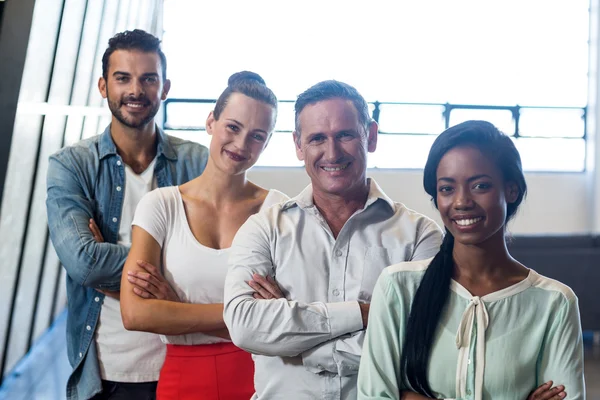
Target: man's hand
(95, 231)
(547, 392)
(364, 311)
(265, 288)
(151, 284)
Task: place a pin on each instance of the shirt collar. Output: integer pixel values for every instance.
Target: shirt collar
(305, 198)
(106, 145)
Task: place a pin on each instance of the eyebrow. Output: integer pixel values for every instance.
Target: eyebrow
(128, 74)
(242, 125)
(471, 179)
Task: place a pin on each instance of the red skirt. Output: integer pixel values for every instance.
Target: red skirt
(219, 371)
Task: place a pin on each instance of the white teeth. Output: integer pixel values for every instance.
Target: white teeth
(332, 169)
(135, 105)
(467, 222)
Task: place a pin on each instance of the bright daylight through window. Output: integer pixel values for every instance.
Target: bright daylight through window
(522, 65)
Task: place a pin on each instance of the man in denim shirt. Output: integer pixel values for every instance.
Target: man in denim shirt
(93, 188)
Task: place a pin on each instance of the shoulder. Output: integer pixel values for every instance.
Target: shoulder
(186, 147)
(405, 274)
(407, 268)
(559, 290)
(401, 281)
(160, 198)
(274, 197)
(83, 151)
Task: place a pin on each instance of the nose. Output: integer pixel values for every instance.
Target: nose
(136, 88)
(333, 151)
(463, 199)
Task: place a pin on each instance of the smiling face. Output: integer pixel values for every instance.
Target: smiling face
(134, 87)
(240, 134)
(333, 145)
(472, 196)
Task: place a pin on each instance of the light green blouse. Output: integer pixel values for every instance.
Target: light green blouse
(499, 346)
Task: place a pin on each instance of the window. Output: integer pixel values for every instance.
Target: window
(423, 66)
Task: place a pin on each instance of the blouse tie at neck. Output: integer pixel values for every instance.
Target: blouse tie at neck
(475, 313)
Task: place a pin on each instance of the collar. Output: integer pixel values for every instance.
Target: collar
(305, 198)
(107, 147)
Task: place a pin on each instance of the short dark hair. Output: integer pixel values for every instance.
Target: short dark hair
(247, 83)
(136, 39)
(331, 89)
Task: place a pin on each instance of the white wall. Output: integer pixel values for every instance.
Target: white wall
(556, 203)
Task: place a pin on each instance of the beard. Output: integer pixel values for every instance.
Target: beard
(115, 109)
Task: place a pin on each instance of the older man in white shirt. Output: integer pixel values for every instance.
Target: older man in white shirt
(321, 253)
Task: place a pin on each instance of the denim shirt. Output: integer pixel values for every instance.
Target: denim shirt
(87, 180)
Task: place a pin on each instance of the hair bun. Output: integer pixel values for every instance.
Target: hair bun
(245, 76)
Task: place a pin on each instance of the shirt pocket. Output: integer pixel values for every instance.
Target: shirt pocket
(375, 260)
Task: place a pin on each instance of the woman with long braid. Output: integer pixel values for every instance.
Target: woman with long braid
(472, 322)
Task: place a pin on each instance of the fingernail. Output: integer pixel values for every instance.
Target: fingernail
(130, 278)
(562, 394)
(129, 272)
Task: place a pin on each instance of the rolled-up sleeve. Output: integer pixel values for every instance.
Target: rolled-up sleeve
(276, 327)
(87, 262)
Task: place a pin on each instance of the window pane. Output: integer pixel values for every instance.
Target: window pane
(552, 154)
(402, 118)
(285, 117)
(551, 122)
(400, 151)
(187, 115)
(502, 119)
(280, 152)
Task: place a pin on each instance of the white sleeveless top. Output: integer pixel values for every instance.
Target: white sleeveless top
(196, 272)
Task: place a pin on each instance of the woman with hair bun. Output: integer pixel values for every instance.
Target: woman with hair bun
(472, 322)
(186, 231)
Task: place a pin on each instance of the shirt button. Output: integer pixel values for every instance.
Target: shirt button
(114, 219)
(89, 328)
(80, 355)
(118, 188)
(338, 253)
(336, 292)
(97, 299)
(118, 163)
(469, 361)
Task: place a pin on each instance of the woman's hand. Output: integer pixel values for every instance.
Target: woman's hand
(547, 392)
(151, 284)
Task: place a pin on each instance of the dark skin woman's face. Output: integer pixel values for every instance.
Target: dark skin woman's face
(472, 196)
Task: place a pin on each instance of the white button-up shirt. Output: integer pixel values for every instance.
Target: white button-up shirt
(308, 345)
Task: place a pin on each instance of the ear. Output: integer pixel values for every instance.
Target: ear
(372, 131)
(299, 152)
(102, 87)
(210, 121)
(511, 192)
(166, 88)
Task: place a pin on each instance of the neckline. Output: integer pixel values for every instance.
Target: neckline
(499, 294)
(188, 229)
